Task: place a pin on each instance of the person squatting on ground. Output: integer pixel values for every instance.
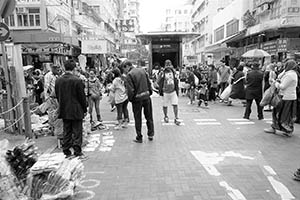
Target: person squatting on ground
(69, 91)
(139, 90)
(168, 89)
(121, 99)
(284, 115)
(94, 95)
(254, 80)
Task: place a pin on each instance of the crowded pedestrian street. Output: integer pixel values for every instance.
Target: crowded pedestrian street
(214, 154)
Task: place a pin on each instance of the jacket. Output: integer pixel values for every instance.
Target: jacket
(138, 85)
(118, 88)
(161, 82)
(288, 84)
(254, 80)
(69, 91)
(238, 89)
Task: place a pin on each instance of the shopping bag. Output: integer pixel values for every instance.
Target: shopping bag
(268, 95)
(276, 100)
(225, 94)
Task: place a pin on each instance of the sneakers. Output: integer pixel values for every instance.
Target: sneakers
(166, 119)
(125, 125)
(177, 122)
(82, 156)
(118, 127)
(113, 108)
(297, 175)
(270, 130)
(138, 140)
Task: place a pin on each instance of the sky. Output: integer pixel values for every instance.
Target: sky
(152, 13)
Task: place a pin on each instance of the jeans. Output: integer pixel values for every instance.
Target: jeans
(94, 102)
(259, 108)
(72, 137)
(122, 110)
(137, 112)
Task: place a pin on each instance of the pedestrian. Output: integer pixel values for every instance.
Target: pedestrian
(238, 86)
(49, 80)
(38, 86)
(224, 74)
(169, 89)
(139, 90)
(254, 80)
(94, 95)
(190, 84)
(121, 99)
(212, 83)
(269, 78)
(69, 91)
(284, 116)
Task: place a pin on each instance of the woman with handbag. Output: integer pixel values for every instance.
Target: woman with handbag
(284, 114)
(238, 87)
(94, 95)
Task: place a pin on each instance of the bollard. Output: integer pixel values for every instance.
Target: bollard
(27, 118)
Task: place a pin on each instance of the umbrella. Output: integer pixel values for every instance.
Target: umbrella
(256, 53)
(27, 67)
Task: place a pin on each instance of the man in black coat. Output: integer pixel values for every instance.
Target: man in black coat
(70, 94)
(139, 90)
(254, 80)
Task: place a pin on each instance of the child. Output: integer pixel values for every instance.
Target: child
(121, 99)
(202, 91)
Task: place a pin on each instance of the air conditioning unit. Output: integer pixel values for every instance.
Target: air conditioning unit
(21, 10)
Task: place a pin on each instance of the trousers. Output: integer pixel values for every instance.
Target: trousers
(137, 112)
(72, 137)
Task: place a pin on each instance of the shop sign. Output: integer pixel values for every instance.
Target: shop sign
(270, 47)
(282, 45)
(192, 58)
(94, 47)
(294, 44)
(250, 47)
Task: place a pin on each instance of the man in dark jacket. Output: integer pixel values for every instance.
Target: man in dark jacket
(70, 94)
(139, 90)
(168, 89)
(254, 80)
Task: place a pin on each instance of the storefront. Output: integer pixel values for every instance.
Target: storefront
(42, 48)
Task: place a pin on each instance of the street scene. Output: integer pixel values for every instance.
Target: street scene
(149, 100)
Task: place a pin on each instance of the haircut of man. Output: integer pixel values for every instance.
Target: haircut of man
(70, 94)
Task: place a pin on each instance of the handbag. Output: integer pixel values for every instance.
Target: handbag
(276, 100)
(268, 95)
(225, 94)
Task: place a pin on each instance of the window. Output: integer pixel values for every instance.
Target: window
(232, 27)
(185, 12)
(26, 17)
(10, 20)
(168, 11)
(219, 33)
(179, 12)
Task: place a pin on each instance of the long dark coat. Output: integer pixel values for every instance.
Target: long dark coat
(254, 80)
(69, 91)
(238, 89)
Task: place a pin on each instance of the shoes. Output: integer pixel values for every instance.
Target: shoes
(287, 134)
(245, 117)
(297, 175)
(118, 127)
(199, 103)
(113, 108)
(177, 122)
(150, 138)
(270, 130)
(82, 156)
(138, 141)
(260, 118)
(166, 119)
(125, 125)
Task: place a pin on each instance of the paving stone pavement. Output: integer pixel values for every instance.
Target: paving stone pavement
(193, 162)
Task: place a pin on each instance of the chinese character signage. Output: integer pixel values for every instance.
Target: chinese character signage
(94, 46)
(125, 25)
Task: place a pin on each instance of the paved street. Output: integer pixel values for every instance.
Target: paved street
(214, 155)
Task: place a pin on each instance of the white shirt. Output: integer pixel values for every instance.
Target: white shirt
(49, 83)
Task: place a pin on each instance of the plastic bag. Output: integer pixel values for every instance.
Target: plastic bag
(268, 95)
(225, 94)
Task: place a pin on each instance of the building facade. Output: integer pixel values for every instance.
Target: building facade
(202, 16)
(50, 31)
(271, 25)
